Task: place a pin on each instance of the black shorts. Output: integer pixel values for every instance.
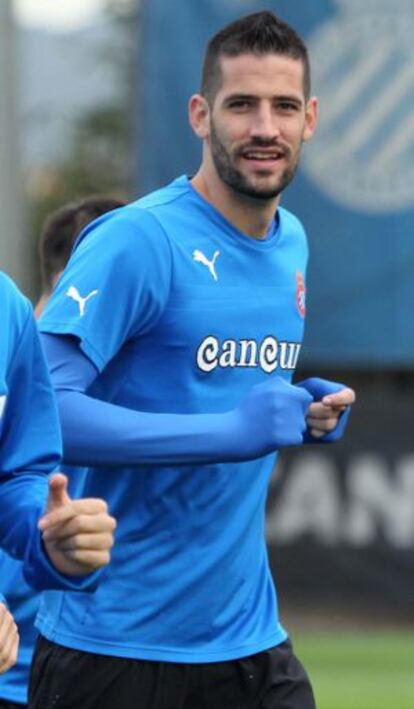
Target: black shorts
(71, 679)
(5, 704)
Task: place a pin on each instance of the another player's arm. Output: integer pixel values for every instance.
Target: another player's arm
(30, 449)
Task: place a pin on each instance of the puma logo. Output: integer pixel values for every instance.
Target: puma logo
(201, 258)
(73, 293)
(3, 400)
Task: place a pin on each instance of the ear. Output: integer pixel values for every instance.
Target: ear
(199, 116)
(311, 118)
(55, 278)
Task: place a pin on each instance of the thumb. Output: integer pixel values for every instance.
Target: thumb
(58, 495)
(318, 388)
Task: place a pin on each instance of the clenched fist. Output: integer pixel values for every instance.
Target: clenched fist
(271, 416)
(328, 414)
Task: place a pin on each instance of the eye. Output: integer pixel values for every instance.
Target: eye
(287, 106)
(240, 104)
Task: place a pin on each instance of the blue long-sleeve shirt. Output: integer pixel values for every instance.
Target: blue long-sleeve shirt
(30, 442)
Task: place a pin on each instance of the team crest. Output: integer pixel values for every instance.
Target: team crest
(300, 294)
(360, 47)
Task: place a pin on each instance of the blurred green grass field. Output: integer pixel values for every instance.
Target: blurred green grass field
(359, 670)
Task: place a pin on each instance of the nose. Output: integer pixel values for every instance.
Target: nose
(264, 123)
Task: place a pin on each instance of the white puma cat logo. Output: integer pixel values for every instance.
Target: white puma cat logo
(199, 256)
(73, 293)
(3, 400)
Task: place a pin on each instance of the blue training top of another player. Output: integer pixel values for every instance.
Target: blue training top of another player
(30, 442)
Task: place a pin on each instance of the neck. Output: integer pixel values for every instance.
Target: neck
(251, 216)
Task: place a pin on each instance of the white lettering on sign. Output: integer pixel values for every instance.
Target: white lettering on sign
(372, 500)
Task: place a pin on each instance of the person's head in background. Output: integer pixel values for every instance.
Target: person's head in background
(60, 231)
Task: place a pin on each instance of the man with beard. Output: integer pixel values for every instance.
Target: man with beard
(172, 339)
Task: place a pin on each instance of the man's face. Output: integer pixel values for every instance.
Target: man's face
(258, 121)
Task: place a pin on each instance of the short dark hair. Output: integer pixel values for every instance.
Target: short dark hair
(61, 229)
(260, 33)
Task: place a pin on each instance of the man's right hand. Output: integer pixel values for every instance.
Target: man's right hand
(9, 639)
(77, 534)
(271, 416)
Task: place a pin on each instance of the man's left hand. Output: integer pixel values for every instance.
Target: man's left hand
(328, 414)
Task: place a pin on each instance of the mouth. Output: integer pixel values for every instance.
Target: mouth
(263, 157)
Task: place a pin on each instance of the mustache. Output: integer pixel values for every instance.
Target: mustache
(259, 142)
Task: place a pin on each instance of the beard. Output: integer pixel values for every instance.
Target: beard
(237, 181)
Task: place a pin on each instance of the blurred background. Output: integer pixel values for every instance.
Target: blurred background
(93, 98)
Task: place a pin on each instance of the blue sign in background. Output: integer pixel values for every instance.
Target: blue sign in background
(353, 191)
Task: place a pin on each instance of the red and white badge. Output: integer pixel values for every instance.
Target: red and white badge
(300, 294)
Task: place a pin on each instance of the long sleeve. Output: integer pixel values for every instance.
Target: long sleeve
(99, 433)
(30, 444)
